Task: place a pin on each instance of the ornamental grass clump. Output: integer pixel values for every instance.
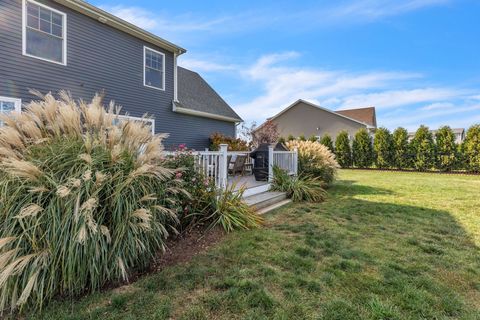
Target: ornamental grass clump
(84, 199)
(315, 160)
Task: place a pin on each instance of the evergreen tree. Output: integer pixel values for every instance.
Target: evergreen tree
(313, 138)
(446, 148)
(362, 149)
(423, 149)
(343, 150)
(471, 148)
(327, 141)
(383, 148)
(401, 150)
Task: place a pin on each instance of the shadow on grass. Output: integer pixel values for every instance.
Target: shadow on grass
(350, 187)
(343, 259)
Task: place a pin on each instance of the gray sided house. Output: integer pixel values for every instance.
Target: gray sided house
(308, 119)
(53, 45)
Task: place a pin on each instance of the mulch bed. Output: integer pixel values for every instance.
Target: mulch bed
(183, 248)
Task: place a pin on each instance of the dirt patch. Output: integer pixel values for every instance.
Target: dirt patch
(186, 246)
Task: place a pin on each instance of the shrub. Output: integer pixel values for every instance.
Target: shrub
(362, 149)
(200, 191)
(290, 137)
(423, 148)
(446, 149)
(471, 148)
(234, 144)
(314, 159)
(300, 188)
(401, 148)
(343, 151)
(83, 199)
(313, 138)
(383, 148)
(229, 211)
(327, 141)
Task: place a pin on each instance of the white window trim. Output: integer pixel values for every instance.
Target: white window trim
(18, 103)
(24, 32)
(144, 66)
(152, 121)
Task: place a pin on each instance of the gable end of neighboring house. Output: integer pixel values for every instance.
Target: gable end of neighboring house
(54, 45)
(307, 119)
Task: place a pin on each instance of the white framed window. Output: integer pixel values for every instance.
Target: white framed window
(9, 105)
(153, 69)
(150, 122)
(44, 32)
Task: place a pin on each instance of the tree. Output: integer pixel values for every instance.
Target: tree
(362, 149)
(327, 141)
(290, 137)
(343, 150)
(313, 138)
(401, 150)
(471, 148)
(302, 137)
(446, 148)
(383, 148)
(423, 148)
(266, 133)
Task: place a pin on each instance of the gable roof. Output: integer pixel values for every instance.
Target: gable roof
(365, 115)
(109, 19)
(315, 106)
(197, 97)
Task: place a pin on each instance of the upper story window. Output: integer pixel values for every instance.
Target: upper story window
(9, 105)
(154, 69)
(44, 32)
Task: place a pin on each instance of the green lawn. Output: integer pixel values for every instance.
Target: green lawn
(384, 245)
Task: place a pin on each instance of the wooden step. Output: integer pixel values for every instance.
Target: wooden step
(265, 199)
(274, 206)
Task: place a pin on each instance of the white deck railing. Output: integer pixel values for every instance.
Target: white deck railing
(286, 160)
(214, 164)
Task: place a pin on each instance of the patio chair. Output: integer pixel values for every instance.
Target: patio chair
(237, 164)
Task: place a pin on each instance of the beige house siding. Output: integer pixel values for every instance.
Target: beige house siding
(307, 120)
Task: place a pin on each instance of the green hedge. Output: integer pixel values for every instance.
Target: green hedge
(423, 152)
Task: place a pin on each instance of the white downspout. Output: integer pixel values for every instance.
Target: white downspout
(175, 78)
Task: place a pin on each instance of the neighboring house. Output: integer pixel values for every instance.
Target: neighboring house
(458, 132)
(305, 118)
(53, 45)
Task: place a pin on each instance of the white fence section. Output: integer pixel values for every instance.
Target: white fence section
(215, 164)
(286, 160)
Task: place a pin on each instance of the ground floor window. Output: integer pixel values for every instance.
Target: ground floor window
(9, 105)
(150, 122)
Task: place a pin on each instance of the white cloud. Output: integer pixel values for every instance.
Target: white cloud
(204, 65)
(396, 98)
(438, 105)
(375, 9)
(135, 15)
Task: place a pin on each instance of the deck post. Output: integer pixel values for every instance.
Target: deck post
(223, 166)
(270, 162)
(295, 161)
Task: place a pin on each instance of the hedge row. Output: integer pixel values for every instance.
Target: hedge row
(425, 151)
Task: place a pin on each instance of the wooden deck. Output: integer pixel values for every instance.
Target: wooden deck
(247, 181)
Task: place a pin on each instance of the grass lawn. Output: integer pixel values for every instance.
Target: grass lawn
(385, 245)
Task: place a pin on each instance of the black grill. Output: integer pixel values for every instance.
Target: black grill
(260, 155)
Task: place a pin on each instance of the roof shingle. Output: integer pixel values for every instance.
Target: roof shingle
(365, 115)
(195, 94)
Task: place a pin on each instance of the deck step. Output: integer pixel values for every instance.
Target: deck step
(265, 199)
(256, 190)
(274, 206)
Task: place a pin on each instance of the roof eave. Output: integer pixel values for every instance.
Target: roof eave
(177, 108)
(120, 24)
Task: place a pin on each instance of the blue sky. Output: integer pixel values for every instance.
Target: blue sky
(416, 61)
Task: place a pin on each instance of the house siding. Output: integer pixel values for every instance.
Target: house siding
(100, 59)
(304, 119)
